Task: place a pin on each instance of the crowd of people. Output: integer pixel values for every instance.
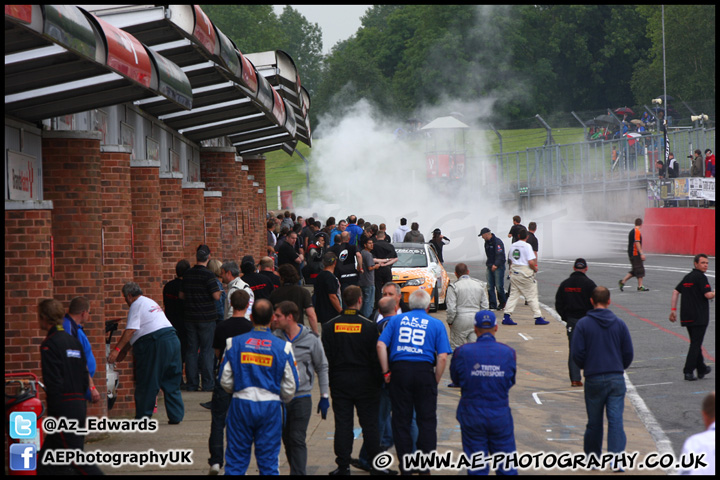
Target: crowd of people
(259, 342)
(699, 167)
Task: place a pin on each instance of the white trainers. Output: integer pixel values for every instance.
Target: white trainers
(214, 469)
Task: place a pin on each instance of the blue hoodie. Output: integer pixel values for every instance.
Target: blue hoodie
(601, 343)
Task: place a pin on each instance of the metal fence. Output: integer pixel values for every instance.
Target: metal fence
(587, 166)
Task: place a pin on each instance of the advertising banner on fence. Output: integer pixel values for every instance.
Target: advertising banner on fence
(682, 189)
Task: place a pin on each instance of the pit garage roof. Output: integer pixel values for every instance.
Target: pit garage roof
(59, 59)
(279, 69)
(230, 98)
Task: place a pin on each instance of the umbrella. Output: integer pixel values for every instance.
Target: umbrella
(624, 111)
(668, 99)
(591, 123)
(607, 119)
(638, 122)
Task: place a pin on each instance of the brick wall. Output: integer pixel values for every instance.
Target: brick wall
(147, 261)
(171, 213)
(258, 204)
(193, 215)
(117, 258)
(27, 281)
(220, 172)
(244, 202)
(71, 171)
(213, 205)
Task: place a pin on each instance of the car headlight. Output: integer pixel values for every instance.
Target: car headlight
(415, 282)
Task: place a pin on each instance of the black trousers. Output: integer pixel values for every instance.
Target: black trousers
(694, 359)
(413, 386)
(297, 418)
(360, 391)
(575, 375)
(75, 409)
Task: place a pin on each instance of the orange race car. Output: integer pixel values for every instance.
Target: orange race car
(418, 267)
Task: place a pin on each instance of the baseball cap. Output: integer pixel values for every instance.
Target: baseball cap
(484, 231)
(437, 231)
(485, 319)
(247, 259)
(203, 249)
(580, 263)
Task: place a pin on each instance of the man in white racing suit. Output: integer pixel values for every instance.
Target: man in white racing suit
(465, 298)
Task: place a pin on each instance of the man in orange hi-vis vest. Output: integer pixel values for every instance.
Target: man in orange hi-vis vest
(637, 257)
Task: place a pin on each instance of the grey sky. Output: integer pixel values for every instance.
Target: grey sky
(338, 22)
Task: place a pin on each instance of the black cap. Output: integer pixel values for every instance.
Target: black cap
(484, 231)
(436, 231)
(580, 264)
(247, 259)
(203, 249)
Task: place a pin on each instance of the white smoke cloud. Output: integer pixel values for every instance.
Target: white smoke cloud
(360, 167)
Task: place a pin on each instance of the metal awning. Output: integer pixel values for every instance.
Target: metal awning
(229, 97)
(60, 60)
(280, 70)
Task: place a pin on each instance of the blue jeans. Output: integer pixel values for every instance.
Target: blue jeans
(368, 296)
(604, 392)
(495, 280)
(200, 337)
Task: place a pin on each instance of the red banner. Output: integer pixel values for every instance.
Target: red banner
(126, 55)
(204, 30)
(20, 12)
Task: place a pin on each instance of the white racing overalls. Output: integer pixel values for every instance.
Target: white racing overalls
(465, 298)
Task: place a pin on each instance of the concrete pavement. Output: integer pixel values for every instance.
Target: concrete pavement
(549, 415)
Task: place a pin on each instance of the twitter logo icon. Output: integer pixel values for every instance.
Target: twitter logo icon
(23, 425)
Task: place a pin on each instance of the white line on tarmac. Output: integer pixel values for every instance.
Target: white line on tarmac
(684, 270)
(651, 384)
(662, 442)
(525, 337)
(537, 398)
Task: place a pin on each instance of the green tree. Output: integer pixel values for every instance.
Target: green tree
(689, 53)
(253, 28)
(303, 42)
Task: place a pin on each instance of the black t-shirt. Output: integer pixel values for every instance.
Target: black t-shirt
(300, 296)
(325, 284)
(232, 327)
(345, 269)
(694, 307)
(286, 254)
(572, 299)
(634, 236)
(198, 284)
(261, 285)
(174, 310)
(533, 241)
(350, 342)
(383, 250)
(272, 276)
(514, 230)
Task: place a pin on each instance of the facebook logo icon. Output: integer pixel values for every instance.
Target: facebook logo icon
(23, 456)
(23, 425)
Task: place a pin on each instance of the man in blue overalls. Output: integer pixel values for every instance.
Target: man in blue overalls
(259, 370)
(485, 370)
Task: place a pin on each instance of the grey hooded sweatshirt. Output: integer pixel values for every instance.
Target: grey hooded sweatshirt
(310, 358)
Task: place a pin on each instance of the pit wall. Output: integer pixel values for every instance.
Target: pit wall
(684, 231)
